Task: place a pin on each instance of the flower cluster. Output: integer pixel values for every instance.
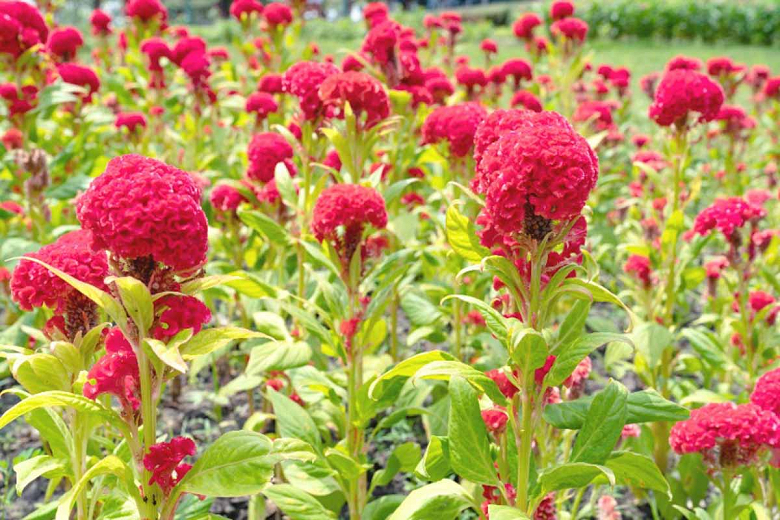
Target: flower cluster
(682, 93)
(116, 373)
(164, 461)
(364, 94)
(265, 151)
(455, 124)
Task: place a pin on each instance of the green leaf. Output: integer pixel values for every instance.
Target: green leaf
(444, 370)
(443, 500)
(40, 373)
(496, 512)
(603, 425)
(382, 507)
(600, 294)
(469, 443)
(462, 236)
(207, 282)
(272, 324)
(168, 354)
(285, 185)
(32, 468)
(297, 504)
(101, 298)
(236, 464)
(573, 475)
(394, 191)
(209, 340)
(644, 406)
(493, 319)
(527, 348)
(403, 458)
(706, 346)
(293, 449)
(569, 356)
(397, 376)
(278, 356)
(651, 339)
(637, 471)
(265, 225)
(110, 465)
(137, 301)
(420, 310)
(435, 464)
(293, 420)
(572, 326)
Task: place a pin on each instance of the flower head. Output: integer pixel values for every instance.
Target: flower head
(226, 198)
(179, 313)
(146, 10)
(21, 27)
(265, 151)
(261, 104)
(364, 93)
(271, 83)
(766, 393)
(681, 62)
(277, 14)
(525, 25)
(64, 43)
(455, 124)
(505, 386)
(303, 80)
(242, 9)
(726, 215)
(155, 50)
(495, 419)
(682, 93)
(140, 207)
(526, 99)
(130, 120)
(116, 373)
(164, 460)
(561, 9)
(100, 21)
(81, 76)
(570, 29)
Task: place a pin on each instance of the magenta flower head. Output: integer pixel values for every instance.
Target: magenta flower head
(303, 81)
(455, 124)
(101, 23)
(363, 92)
(143, 208)
(116, 373)
(80, 75)
(21, 27)
(147, 10)
(164, 461)
(265, 151)
(131, 120)
(64, 43)
(682, 93)
(241, 10)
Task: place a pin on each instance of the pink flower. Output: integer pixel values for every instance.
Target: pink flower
(146, 10)
(64, 43)
(505, 386)
(561, 9)
(277, 14)
(527, 100)
(303, 80)
(164, 461)
(265, 151)
(81, 76)
(261, 104)
(639, 267)
(243, 9)
(116, 373)
(726, 215)
(364, 94)
(682, 93)
(525, 25)
(100, 22)
(179, 313)
(455, 124)
(130, 120)
(495, 419)
(766, 393)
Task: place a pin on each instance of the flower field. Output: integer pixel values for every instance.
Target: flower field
(409, 278)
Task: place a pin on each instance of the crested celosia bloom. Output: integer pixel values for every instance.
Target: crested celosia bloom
(766, 393)
(146, 10)
(130, 120)
(546, 510)
(488, 46)
(545, 171)
(140, 207)
(155, 50)
(651, 158)
(576, 380)
(526, 99)
(735, 121)
(727, 435)
(524, 26)
(723, 66)
(81, 76)
(101, 22)
(64, 43)
(12, 139)
(684, 63)
(375, 13)
(440, 88)
(116, 373)
(772, 87)
(277, 14)
(341, 214)
(505, 386)
(470, 78)
(455, 124)
(518, 69)
(570, 29)
(598, 113)
(33, 285)
(270, 83)
(303, 81)
(243, 9)
(265, 151)
(495, 419)
(164, 461)
(186, 46)
(639, 267)
(607, 506)
(363, 92)
(179, 313)
(225, 198)
(682, 93)
(561, 9)
(21, 27)
(261, 104)
(726, 215)
(648, 84)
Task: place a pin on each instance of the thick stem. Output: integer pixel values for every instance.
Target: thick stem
(355, 434)
(149, 414)
(679, 164)
(456, 325)
(394, 327)
(79, 453)
(524, 456)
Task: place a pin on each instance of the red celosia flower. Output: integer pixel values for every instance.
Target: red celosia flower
(271, 83)
(772, 87)
(489, 46)
(639, 267)
(580, 374)
(364, 93)
(651, 158)
(723, 66)
(81, 76)
(226, 198)
(456, 124)
(245, 8)
(164, 460)
(735, 120)
(278, 14)
(180, 313)
(440, 88)
(470, 78)
(561, 9)
(640, 140)
(598, 113)
(275, 384)
(303, 80)
(100, 21)
(12, 139)
(728, 435)
(518, 69)
(630, 431)
(156, 49)
(269, 193)
(146, 10)
(496, 75)
(352, 63)
(130, 120)
(541, 372)
(505, 386)
(412, 199)
(33, 285)
(715, 266)
(341, 214)
(261, 104)
(116, 373)
(495, 419)
(141, 207)
(757, 76)
(682, 92)
(64, 43)
(186, 46)
(546, 170)
(474, 318)
(648, 84)
(12, 207)
(524, 26)
(375, 13)
(726, 215)
(684, 63)
(21, 27)
(332, 160)
(766, 393)
(265, 151)
(571, 29)
(527, 100)
(381, 41)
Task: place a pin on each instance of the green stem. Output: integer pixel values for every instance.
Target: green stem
(679, 164)
(394, 327)
(355, 434)
(576, 505)
(524, 456)
(79, 445)
(149, 414)
(456, 327)
(729, 498)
